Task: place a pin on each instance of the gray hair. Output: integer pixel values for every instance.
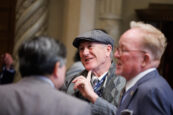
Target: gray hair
(39, 55)
(154, 40)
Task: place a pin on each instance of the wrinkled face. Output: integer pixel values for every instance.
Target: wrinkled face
(129, 56)
(93, 55)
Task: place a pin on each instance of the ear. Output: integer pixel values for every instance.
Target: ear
(146, 59)
(56, 70)
(108, 49)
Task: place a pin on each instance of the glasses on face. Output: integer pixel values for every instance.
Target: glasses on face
(123, 50)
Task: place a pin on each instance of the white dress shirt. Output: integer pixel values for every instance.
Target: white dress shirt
(99, 78)
(134, 80)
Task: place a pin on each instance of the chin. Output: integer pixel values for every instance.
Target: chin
(88, 66)
(118, 72)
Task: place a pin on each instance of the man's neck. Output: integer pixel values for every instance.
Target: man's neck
(102, 69)
(130, 83)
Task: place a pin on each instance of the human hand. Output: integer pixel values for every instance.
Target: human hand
(84, 86)
(7, 60)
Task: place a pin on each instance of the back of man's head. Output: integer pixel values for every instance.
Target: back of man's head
(39, 55)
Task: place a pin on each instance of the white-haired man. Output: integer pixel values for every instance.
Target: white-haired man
(138, 56)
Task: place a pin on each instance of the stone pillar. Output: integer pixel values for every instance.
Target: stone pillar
(109, 17)
(87, 15)
(31, 20)
(71, 19)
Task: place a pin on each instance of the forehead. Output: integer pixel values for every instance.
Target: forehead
(131, 38)
(83, 43)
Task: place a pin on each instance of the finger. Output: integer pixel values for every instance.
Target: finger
(79, 84)
(74, 81)
(89, 76)
(77, 78)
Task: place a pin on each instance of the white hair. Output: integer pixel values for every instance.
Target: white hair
(154, 40)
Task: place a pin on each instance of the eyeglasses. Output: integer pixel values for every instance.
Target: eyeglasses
(121, 50)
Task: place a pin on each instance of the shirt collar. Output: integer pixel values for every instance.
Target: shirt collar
(99, 78)
(46, 79)
(134, 80)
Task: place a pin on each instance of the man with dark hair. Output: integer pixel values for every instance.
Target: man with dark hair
(42, 66)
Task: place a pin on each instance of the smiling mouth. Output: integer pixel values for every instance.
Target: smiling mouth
(118, 63)
(88, 59)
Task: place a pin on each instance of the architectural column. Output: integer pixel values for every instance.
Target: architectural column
(109, 16)
(71, 19)
(31, 20)
(87, 15)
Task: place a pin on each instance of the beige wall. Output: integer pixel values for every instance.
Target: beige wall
(109, 16)
(70, 27)
(64, 23)
(87, 15)
(55, 18)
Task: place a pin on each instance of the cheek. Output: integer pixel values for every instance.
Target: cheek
(125, 65)
(62, 73)
(125, 62)
(82, 60)
(90, 66)
(130, 67)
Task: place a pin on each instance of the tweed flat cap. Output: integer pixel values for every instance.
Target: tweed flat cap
(94, 36)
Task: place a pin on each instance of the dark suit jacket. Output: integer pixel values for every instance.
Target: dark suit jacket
(7, 76)
(151, 95)
(33, 96)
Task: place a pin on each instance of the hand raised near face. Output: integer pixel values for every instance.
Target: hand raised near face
(7, 60)
(84, 86)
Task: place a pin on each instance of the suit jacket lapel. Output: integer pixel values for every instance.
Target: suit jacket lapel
(134, 89)
(129, 96)
(148, 76)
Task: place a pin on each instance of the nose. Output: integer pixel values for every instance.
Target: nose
(116, 54)
(85, 51)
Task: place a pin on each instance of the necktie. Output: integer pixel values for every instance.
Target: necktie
(125, 95)
(95, 81)
(97, 86)
(125, 100)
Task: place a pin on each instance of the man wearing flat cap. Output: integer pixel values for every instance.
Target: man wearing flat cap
(98, 83)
